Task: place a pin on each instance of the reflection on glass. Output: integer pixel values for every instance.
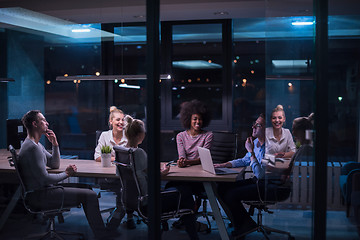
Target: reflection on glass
(197, 66)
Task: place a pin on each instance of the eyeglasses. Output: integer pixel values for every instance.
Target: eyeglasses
(256, 125)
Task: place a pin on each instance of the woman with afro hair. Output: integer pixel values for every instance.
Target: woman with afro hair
(194, 116)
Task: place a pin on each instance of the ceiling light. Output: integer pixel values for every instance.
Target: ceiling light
(302, 23)
(106, 77)
(81, 30)
(21, 17)
(6, 80)
(195, 64)
(124, 85)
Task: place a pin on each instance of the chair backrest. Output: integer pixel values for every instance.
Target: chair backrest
(14, 162)
(224, 147)
(131, 194)
(97, 136)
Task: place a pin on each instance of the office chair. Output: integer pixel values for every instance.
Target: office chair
(131, 194)
(48, 213)
(349, 182)
(223, 149)
(280, 191)
(106, 185)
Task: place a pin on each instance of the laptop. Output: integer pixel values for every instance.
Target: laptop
(207, 163)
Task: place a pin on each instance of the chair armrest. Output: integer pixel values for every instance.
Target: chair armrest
(348, 167)
(56, 209)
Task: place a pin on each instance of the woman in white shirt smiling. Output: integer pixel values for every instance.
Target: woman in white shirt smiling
(114, 136)
(279, 140)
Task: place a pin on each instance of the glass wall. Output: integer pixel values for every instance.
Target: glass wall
(343, 117)
(239, 65)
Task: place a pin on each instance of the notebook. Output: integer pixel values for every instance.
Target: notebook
(207, 163)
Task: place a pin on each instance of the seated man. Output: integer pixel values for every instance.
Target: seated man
(256, 150)
(233, 193)
(33, 159)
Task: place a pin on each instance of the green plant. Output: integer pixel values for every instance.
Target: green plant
(106, 149)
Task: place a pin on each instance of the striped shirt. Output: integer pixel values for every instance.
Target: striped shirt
(187, 144)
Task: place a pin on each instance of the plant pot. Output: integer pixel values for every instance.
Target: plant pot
(106, 159)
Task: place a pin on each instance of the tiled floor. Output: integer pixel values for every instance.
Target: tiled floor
(297, 222)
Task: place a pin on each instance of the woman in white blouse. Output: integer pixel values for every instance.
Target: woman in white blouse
(114, 136)
(278, 140)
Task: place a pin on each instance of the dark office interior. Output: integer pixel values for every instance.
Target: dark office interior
(240, 57)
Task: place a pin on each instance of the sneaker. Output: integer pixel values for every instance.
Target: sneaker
(113, 224)
(130, 224)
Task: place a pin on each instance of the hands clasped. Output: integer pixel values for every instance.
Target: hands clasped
(182, 162)
(71, 170)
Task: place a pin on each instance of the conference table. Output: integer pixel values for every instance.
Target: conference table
(91, 168)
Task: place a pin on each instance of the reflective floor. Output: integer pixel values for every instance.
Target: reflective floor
(298, 222)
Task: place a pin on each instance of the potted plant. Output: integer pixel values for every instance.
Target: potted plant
(106, 156)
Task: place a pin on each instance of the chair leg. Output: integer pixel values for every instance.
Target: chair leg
(52, 233)
(265, 230)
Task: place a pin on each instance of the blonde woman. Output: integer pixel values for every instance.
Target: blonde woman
(278, 140)
(114, 136)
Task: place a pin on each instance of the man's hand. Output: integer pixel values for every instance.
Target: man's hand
(71, 170)
(223, 165)
(279, 154)
(51, 137)
(249, 145)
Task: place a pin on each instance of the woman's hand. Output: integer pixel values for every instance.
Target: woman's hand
(182, 162)
(71, 170)
(165, 169)
(279, 155)
(51, 137)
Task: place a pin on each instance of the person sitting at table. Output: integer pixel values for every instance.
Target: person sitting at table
(135, 133)
(194, 117)
(255, 148)
(278, 140)
(299, 128)
(33, 159)
(112, 137)
(233, 193)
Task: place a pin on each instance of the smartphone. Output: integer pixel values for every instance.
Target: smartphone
(169, 163)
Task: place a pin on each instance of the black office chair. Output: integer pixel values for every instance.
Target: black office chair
(349, 179)
(223, 149)
(105, 184)
(48, 213)
(131, 194)
(279, 191)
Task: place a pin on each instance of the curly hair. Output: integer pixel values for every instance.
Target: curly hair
(187, 109)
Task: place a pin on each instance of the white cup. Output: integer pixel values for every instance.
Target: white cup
(106, 159)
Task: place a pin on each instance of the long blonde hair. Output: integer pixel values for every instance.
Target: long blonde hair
(134, 127)
(113, 110)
